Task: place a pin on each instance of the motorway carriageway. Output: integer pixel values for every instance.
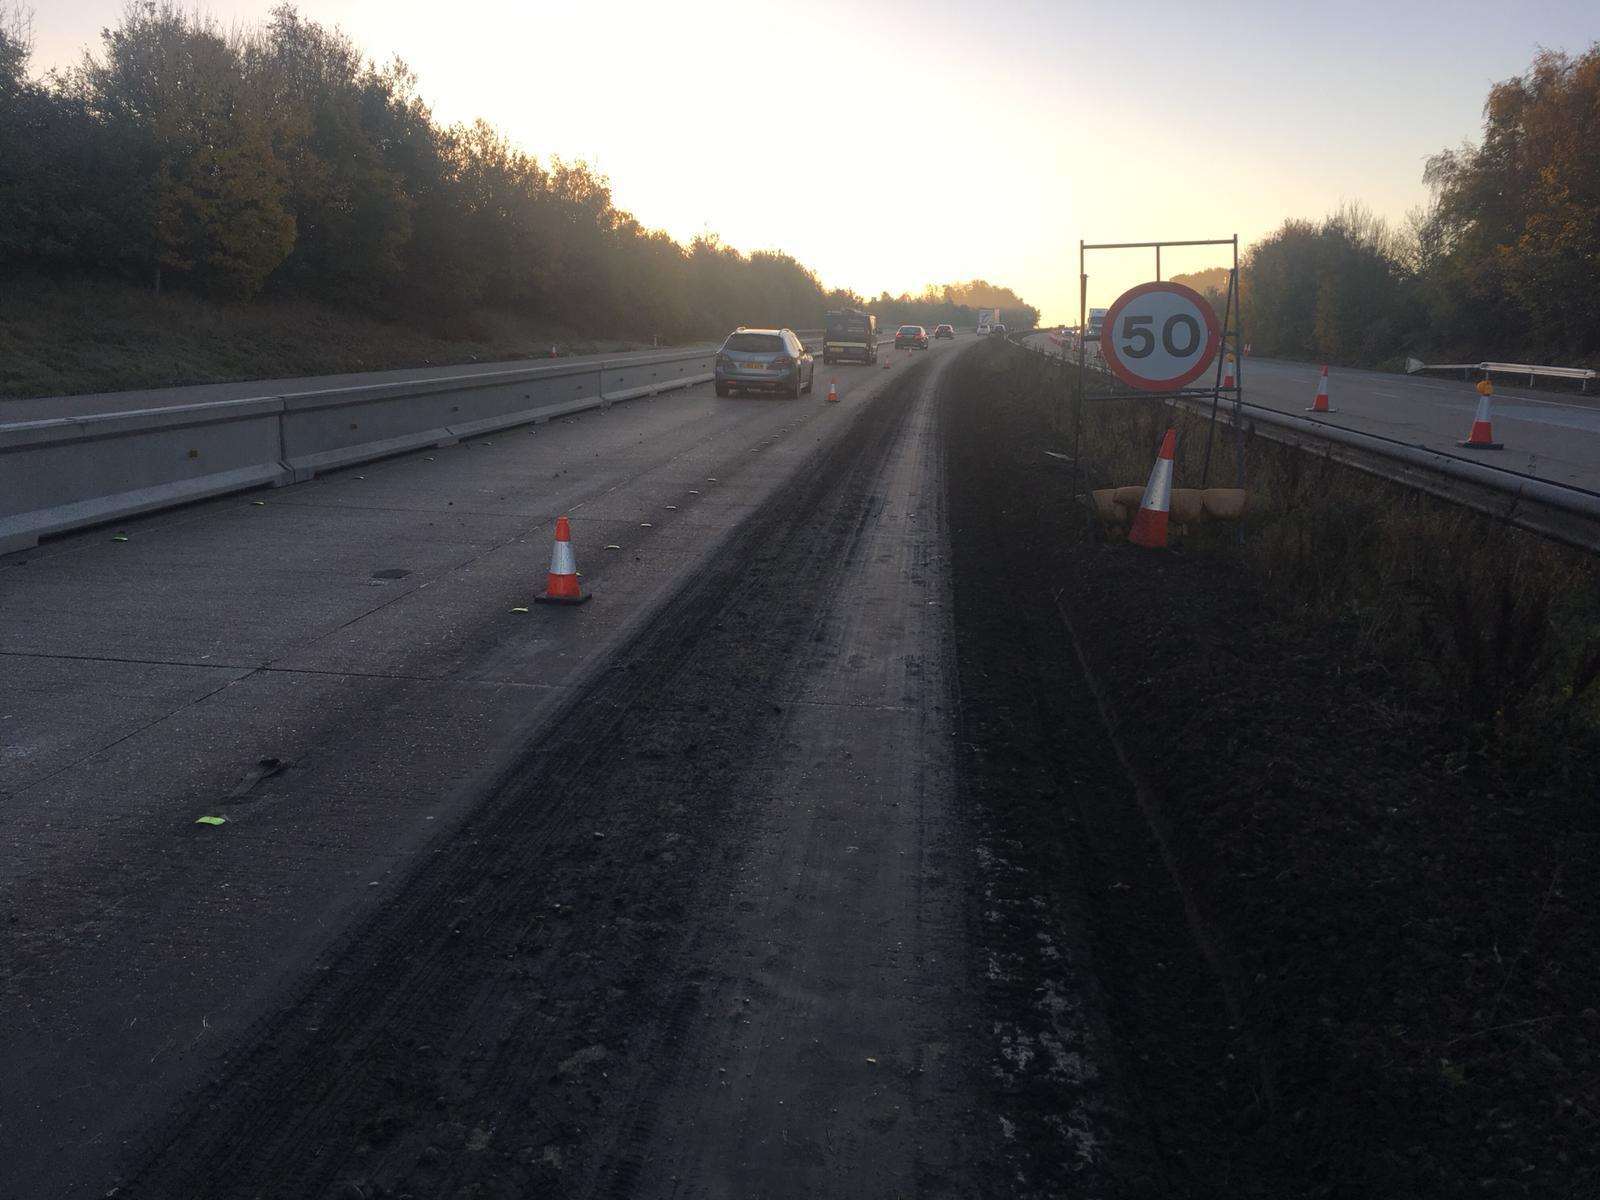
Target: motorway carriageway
(1554, 436)
(362, 628)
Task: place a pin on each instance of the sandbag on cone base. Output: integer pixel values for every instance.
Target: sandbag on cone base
(562, 587)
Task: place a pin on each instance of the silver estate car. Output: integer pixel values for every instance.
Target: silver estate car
(768, 360)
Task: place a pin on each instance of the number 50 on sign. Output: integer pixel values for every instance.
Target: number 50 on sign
(1160, 336)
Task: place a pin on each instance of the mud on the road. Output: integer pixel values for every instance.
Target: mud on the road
(1394, 990)
(503, 1025)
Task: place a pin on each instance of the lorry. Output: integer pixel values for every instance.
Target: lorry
(988, 318)
(849, 334)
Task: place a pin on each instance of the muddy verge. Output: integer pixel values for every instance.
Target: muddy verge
(1340, 952)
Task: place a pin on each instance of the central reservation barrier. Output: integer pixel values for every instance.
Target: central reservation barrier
(62, 474)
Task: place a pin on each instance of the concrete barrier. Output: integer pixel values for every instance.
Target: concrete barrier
(63, 474)
(329, 429)
(59, 475)
(629, 380)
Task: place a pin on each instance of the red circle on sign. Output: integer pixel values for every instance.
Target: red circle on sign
(1108, 347)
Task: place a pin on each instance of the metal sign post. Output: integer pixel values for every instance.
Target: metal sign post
(1158, 338)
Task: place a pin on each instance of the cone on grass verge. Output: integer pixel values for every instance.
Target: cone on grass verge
(1320, 404)
(833, 391)
(562, 587)
(1150, 522)
(1482, 435)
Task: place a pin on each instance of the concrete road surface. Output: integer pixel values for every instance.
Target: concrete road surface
(1555, 437)
(363, 631)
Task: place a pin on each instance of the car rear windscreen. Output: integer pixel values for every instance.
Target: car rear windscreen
(909, 329)
(844, 325)
(756, 343)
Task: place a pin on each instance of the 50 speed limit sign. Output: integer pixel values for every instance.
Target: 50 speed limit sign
(1159, 336)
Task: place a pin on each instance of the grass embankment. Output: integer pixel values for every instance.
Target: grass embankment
(1371, 728)
(76, 335)
(1502, 624)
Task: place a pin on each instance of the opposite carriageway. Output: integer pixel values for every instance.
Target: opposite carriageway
(1406, 430)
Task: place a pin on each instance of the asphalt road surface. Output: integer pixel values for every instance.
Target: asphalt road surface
(1552, 436)
(417, 951)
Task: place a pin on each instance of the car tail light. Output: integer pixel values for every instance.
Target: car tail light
(783, 362)
(724, 360)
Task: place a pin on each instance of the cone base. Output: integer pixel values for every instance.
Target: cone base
(1482, 445)
(580, 598)
(1149, 529)
(1322, 410)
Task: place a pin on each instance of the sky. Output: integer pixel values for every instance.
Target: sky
(904, 143)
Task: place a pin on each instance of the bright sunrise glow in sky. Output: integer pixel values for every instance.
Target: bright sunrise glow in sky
(924, 141)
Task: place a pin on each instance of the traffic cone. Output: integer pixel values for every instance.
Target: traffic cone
(1320, 404)
(888, 361)
(833, 391)
(1150, 522)
(1227, 375)
(562, 586)
(1482, 436)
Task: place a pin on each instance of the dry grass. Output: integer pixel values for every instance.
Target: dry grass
(76, 335)
(1507, 622)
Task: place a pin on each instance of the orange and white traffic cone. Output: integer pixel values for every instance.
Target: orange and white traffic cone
(833, 391)
(1482, 435)
(1149, 527)
(1227, 375)
(1320, 404)
(562, 587)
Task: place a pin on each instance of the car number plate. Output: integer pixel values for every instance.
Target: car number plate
(752, 366)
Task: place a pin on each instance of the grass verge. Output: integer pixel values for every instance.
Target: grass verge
(1368, 731)
(74, 335)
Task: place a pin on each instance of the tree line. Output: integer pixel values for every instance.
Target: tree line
(954, 304)
(1504, 262)
(279, 161)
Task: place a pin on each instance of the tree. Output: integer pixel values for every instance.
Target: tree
(212, 204)
(280, 159)
(1519, 214)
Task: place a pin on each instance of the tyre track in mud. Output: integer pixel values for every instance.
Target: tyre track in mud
(493, 1029)
(1083, 903)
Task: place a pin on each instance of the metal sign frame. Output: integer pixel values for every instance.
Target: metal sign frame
(1232, 343)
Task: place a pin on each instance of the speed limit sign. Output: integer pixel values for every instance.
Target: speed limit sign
(1159, 336)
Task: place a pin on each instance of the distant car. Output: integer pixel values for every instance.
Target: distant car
(911, 335)
(764, 360)
(997, 331)
(943, 331)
